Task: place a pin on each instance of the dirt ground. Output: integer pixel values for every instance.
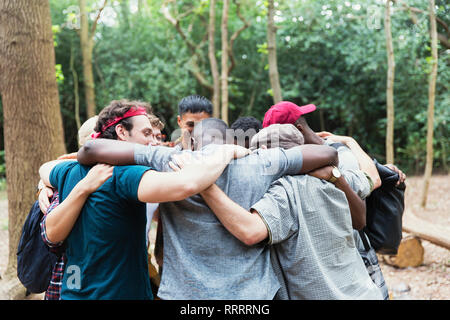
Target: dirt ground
(429, 281)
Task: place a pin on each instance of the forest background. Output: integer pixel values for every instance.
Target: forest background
(377, 70)
(330, 53)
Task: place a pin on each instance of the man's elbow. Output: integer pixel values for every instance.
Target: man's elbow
(360, 224)
(252, 237)
(52, 236)
(86, 154)
(189, 188)
(333, 156)
(250, 240)
(45, 169)
(42, 170)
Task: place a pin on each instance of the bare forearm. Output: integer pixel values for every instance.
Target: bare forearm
(356, 204)
(176, 186)
(317, 156)
(206, 174)
(209, 168)
(247, 227)
(60, 221)
(113, 152)
(46, 168)
(366, 164)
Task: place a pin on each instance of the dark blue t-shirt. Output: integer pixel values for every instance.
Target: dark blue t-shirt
(106, 251)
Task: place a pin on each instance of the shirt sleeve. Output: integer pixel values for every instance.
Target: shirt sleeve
(276, 211)
(54, 247)
(59, 172)
(359, 182)
(347, 160)
(157, 157)
(128, 179)
(280, 162)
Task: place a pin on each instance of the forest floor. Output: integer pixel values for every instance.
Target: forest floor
(429, 281)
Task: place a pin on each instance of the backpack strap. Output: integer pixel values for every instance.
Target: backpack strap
(364, 240)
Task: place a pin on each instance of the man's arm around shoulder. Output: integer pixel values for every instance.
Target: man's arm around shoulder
(113, 152)
(317, 156)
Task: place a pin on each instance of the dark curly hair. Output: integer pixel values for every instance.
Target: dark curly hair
(118, 108)
(246, 123)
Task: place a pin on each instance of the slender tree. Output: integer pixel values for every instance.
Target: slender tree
(212, 59)
(224, 62)
(272, 54)
(431, 98)
(87, 46)
(194, 48)
(444, 38)
(33, 128)
(219, 85)
(389, 85)
(75, 88)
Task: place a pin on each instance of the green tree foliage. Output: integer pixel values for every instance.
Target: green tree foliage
(330, 53)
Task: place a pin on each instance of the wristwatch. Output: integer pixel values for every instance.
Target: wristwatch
(335, 174)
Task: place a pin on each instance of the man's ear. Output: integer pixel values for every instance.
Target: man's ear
(300, 127)
(121, 132)
(179, 121)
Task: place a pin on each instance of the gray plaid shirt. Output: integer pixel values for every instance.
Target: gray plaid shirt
(347, 161)
(313, 250)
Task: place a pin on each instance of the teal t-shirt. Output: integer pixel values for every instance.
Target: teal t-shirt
(106, 250)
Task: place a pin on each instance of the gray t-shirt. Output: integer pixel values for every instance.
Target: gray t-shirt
(313, 252)
(202, 260)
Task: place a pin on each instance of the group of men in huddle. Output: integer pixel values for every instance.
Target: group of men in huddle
(257, 211)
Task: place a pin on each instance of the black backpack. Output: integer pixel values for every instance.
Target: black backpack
(384, 212)
(35, 261)
(384, 208)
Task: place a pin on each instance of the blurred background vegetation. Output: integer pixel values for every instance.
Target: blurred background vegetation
(330, 53)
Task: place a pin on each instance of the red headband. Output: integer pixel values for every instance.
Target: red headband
(130, 113)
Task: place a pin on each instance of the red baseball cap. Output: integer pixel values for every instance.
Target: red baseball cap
(285, 112)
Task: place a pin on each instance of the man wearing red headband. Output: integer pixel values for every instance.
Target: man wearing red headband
(106, 248)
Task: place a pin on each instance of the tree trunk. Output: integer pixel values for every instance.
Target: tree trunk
(272, 54)
(213, 60)
(389, 86)
(87, 44)
(140, 5)
(410, 253)
(224, 75)
(433, 232)
(75, 89)
(125, 12)
(32, 119)
(431, 97)
(193, 48)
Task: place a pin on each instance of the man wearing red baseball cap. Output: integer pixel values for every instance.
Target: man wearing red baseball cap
(355, 158)
(286, 112)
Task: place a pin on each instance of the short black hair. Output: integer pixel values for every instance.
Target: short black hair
(246, 123)
(195, 104)
(211, 129)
